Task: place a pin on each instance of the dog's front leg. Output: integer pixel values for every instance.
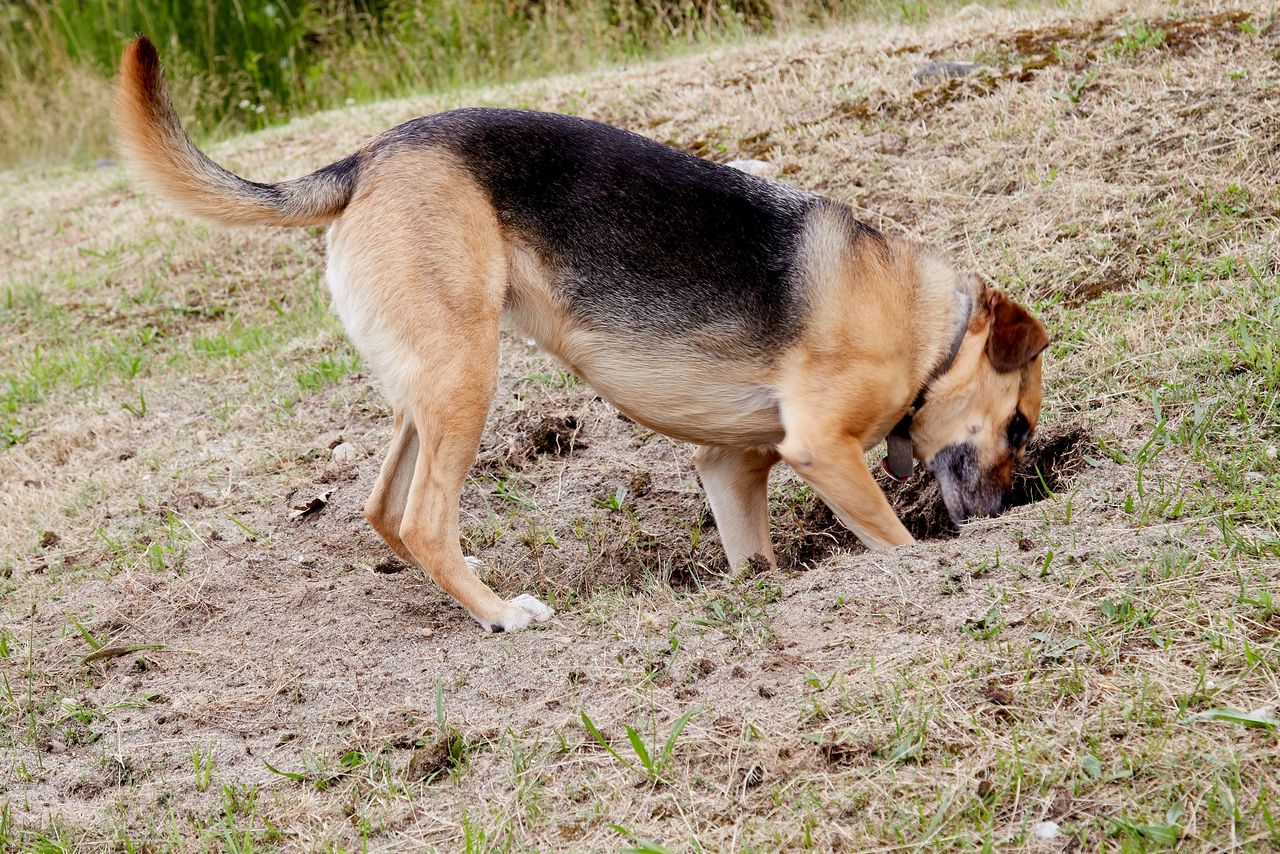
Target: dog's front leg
(837, 470)
(737, 485)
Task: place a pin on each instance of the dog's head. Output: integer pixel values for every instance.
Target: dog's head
(979, 415)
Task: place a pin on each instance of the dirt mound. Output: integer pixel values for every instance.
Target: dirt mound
(518, 444)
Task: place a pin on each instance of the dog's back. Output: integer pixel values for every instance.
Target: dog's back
(637, 233)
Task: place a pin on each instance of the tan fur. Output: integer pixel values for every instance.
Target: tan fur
(737, 485)
(419, 280)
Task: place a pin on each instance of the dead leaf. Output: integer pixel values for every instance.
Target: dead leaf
(313, 506)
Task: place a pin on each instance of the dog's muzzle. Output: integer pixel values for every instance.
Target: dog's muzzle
(967, 491)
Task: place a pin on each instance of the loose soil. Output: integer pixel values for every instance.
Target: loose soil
(203, 642)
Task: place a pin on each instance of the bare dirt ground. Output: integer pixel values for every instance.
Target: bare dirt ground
(192, 662)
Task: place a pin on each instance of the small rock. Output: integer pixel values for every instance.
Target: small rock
(759, 168)
(1271, 452)
(345, 452)
(103, 163)
(1046, 830)
(945, 70)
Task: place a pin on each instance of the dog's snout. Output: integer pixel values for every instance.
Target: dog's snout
(967, 490)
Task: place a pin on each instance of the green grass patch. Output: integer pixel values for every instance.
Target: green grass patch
(246, 65)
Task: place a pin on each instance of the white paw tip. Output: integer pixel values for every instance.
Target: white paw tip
(520, 612)
(535, 608)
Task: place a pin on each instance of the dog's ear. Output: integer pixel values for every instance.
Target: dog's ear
(1016, 337)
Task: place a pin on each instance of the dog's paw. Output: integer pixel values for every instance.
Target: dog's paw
(520, 612)
(534, 607)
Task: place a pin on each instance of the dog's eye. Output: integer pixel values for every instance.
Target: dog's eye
(1018, 430)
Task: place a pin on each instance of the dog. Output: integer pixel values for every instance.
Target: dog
(756, 321)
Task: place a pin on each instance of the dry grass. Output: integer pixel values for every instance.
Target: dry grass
(1115, 165)
(241, 72)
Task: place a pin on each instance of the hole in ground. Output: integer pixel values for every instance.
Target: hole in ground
(1054, 456)
(805, 530)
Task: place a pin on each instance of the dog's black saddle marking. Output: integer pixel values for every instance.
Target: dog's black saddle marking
(642, 235)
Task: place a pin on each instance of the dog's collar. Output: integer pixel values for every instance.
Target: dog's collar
(900, 461)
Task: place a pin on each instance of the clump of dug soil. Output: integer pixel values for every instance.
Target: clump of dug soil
(554, 435)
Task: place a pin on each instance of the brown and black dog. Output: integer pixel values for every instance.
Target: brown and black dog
(756, 321)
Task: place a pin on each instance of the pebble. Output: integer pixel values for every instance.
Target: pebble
(1046, 830)
(345, 452)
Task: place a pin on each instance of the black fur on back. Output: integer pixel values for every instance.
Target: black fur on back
(642, 235)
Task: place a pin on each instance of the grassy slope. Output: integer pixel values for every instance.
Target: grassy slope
(248, 67)
(172, 387)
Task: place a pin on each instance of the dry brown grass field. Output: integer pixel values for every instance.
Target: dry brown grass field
(189, 663)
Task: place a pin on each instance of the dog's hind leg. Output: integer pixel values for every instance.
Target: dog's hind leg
(448, 409)
(418, 270)
(385, 507)
(737, 485)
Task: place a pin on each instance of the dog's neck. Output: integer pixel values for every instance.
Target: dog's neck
(900, 461)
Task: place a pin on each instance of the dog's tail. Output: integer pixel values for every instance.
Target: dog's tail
(154, 143)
